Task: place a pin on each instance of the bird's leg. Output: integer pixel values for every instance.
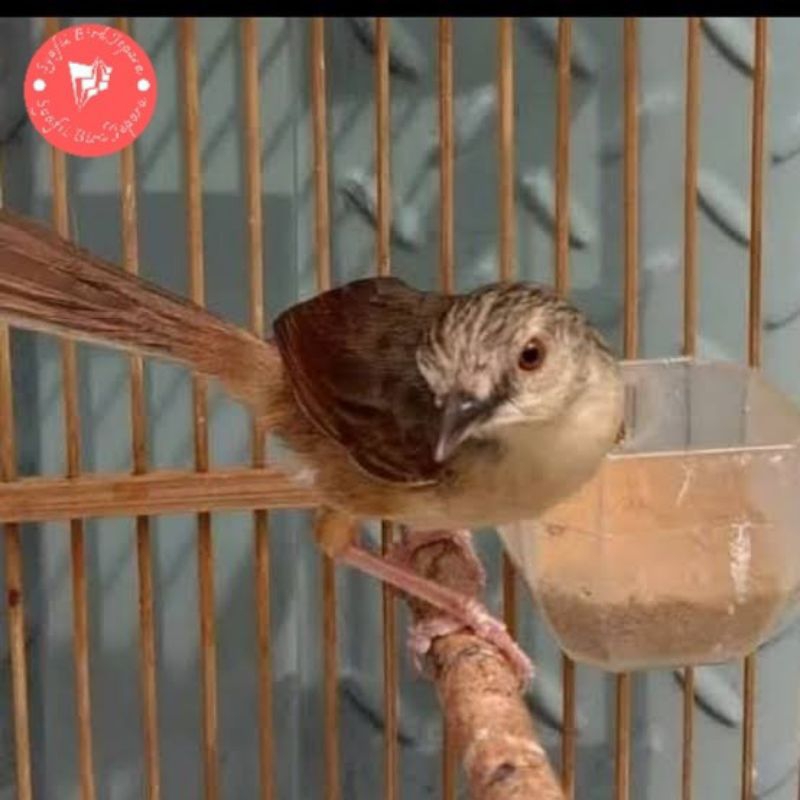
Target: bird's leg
(334, 531)
(336, 534)
(459, 610)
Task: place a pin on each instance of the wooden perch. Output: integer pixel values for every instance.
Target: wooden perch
(157, 492)
(479, 692)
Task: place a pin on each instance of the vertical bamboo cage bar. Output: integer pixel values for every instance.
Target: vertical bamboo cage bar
(147, 639)
(322, 243)
(690, 186)
(187, 35)
(255, 246)
(383, 250)
(754, 343)
(446, 269)
(77, 543)
(561, 273)
(505, 79)
(757, 193)
(631, 185)
(15, 609)
(690, 319)
(446, 156)
(382, 140)
(630, 336)
(562, 155)
(15, 598)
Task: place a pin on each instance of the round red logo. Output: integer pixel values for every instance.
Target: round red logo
(90, 90)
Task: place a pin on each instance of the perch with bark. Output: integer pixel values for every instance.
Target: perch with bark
(478, 687)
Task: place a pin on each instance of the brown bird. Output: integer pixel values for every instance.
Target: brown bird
(435, 411)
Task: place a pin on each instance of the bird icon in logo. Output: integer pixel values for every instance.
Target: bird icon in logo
(88, 80)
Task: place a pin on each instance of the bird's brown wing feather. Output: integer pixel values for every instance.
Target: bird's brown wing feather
(350, 354)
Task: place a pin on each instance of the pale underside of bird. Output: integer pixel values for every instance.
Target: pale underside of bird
(429, 410)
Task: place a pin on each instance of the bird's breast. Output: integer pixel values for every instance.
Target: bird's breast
(524, 469)
(524, 473)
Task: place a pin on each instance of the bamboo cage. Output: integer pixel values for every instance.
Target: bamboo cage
(138, 489)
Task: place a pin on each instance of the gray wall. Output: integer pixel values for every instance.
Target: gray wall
(596, 274)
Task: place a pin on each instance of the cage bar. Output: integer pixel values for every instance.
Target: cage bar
(630, 335)
(631, 185)
(322, 244)
(561, 274)
(15, 604)
(15, 612)
(757, 193)
(391, 787)
(382, 143)
(691, 162)
(152, 493)
(687, 742)
(80, 609)
(12, 550)
(754, 345)
(507, 237)
(564, 76)
(147, 646)
(255, 271)
(622, 763)
(748, 725)
(505, 82)
(690, 186)
(446, 268)
(446, 156)
(187, 45)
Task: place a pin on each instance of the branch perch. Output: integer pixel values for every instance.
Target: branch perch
(478, 688)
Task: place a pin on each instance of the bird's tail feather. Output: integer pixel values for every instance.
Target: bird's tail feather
(50, 285)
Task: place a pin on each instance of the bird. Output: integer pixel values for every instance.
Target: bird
(435, 411)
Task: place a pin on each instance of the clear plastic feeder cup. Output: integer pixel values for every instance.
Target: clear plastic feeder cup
(685, 547)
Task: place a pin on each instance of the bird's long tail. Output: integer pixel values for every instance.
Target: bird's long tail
(50, 285)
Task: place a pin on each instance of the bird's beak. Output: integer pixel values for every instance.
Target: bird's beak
(459, 412)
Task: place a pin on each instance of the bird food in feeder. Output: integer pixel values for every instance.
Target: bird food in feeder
(683, 547)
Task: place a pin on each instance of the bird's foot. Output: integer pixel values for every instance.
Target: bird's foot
(458, 609)
(470, 613)
(422, 635)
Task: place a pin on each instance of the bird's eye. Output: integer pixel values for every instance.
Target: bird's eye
(532, 355)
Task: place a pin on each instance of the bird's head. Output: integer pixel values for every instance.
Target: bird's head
(509, 354)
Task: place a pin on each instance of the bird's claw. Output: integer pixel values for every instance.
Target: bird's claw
(470, 613)
(422, 635)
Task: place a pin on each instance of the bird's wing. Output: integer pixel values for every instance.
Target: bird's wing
(350, 354)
